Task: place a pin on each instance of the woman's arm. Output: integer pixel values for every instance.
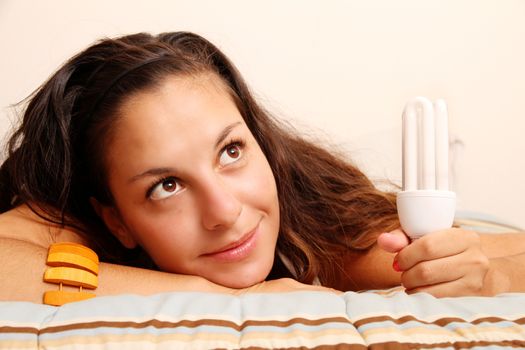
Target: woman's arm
(24, 241)
(23, 264)
(499, 245)
(506, 253)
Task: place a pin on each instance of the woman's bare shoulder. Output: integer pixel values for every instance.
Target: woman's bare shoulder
(22, 224)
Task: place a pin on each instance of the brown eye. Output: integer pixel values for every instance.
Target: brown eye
(169, 185)
(165, 189)
(233, 151)
(230, 154)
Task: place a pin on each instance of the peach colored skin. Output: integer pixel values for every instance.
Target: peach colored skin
(219, 200)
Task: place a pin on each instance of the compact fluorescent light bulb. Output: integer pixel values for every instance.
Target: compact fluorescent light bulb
(425, 204)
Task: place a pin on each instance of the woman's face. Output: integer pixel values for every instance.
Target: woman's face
(191, 185)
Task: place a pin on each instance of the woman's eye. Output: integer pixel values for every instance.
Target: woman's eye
(165, 189)
(230, 154)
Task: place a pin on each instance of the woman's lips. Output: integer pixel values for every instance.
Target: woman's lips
(237, 250)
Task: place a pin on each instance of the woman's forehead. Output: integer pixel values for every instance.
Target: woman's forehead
(185, 101)
(175, 86)
(181, 114)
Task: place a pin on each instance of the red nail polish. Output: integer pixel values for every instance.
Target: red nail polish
(395, 266)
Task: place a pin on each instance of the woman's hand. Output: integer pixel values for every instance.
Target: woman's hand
(444, 263)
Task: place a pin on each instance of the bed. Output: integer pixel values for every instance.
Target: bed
(388, 319)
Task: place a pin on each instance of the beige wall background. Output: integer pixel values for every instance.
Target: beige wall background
(340, 69)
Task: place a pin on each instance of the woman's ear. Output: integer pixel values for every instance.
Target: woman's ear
(114, 223)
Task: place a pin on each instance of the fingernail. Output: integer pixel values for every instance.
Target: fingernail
(395, 266)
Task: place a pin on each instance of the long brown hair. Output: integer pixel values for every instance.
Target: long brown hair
(55, 157)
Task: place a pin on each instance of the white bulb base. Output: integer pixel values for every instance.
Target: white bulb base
(425, 211)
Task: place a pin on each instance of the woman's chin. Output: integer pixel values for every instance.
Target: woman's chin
(238, 283)
(239, 280)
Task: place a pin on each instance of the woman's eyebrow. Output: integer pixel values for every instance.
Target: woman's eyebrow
(224, 133)
(151, 172)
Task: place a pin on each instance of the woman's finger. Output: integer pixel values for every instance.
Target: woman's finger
(441, 290)
(437, 245)
(455, 288)
(469, 267)
(393, 242)
(434, 272)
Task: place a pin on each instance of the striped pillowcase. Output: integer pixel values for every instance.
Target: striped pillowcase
(373, 319)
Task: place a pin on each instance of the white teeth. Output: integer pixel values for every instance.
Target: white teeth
(425, 145)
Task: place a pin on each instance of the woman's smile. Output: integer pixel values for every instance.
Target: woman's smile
(237, 250)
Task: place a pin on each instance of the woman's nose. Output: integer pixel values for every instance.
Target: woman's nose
(220, 207)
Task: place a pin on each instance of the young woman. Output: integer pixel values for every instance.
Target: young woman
(152, 151)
